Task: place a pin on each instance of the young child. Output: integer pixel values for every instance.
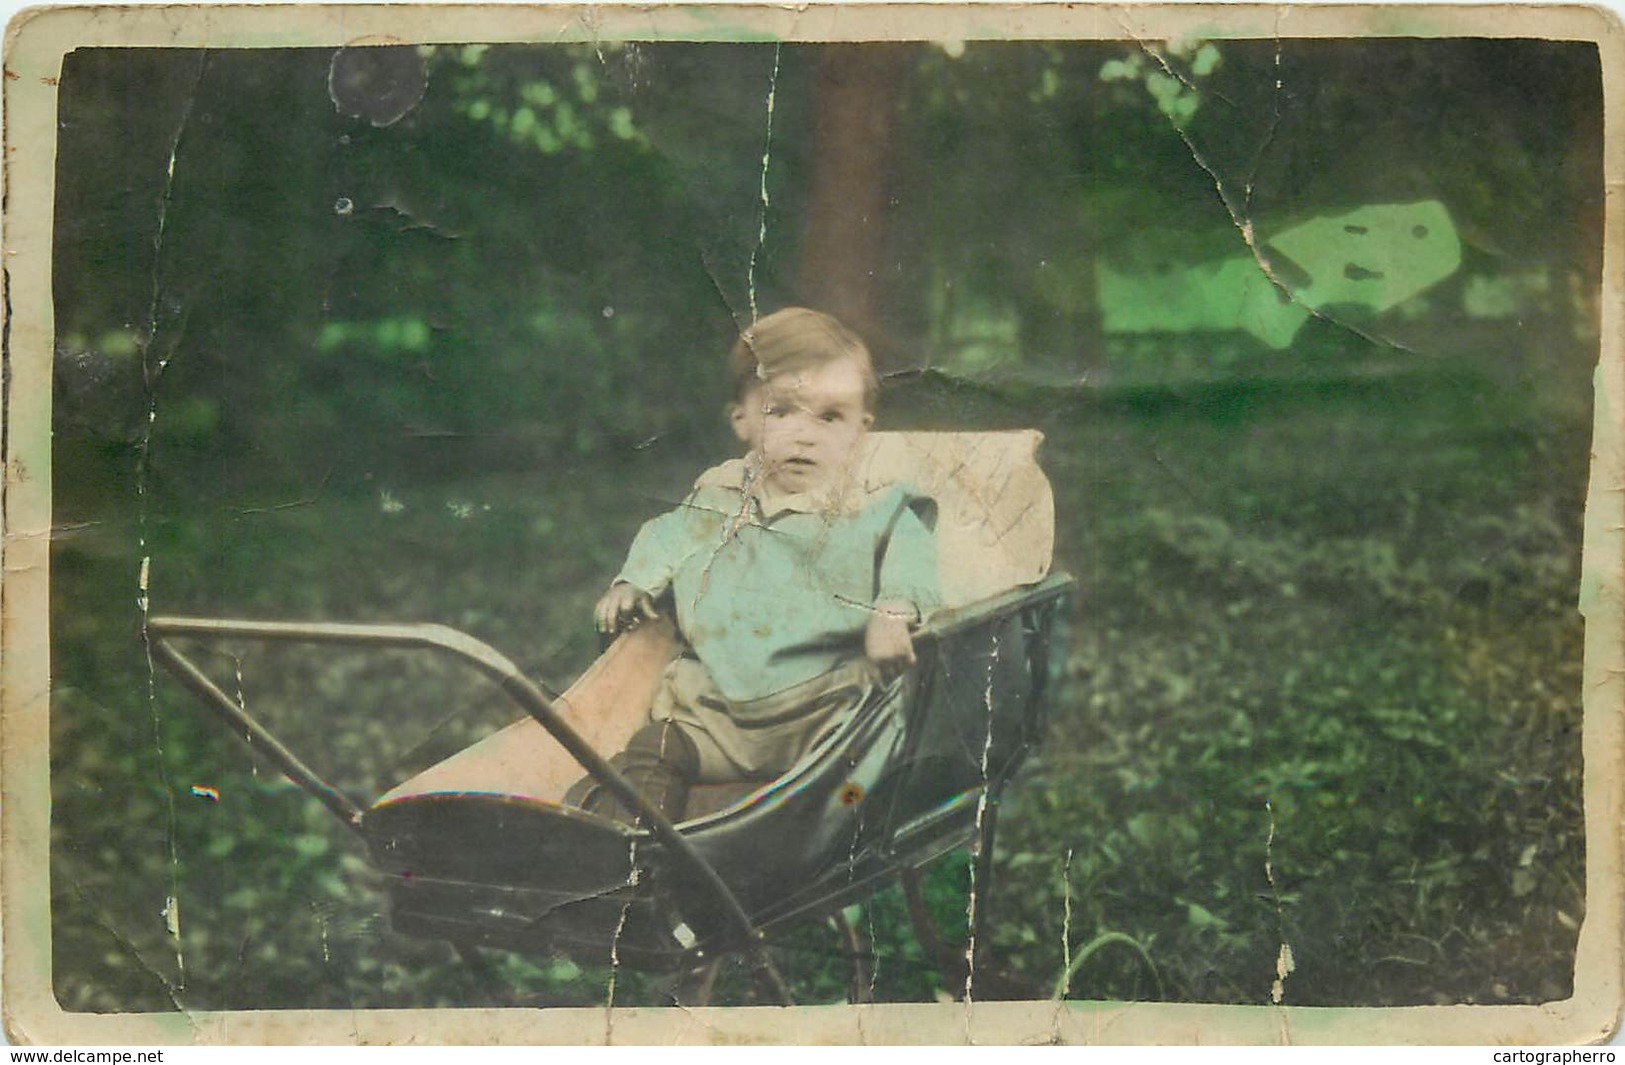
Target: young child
(796, 590)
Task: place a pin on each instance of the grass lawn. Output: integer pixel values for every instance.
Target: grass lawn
(1321, 687)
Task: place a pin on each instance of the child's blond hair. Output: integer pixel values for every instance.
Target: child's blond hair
(794, 339)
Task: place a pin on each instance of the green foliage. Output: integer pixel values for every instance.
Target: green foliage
(1341, 742)
(1176, 92)
(552, 115)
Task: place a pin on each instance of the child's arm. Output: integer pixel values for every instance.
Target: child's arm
(907, 587)
(651, 563)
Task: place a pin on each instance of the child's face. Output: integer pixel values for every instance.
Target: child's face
(805, 424)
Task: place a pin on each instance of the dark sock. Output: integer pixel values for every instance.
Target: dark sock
(659, 761)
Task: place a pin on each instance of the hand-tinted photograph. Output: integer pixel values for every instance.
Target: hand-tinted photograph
(651, 523)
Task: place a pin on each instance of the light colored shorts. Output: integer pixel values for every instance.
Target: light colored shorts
(761, 738)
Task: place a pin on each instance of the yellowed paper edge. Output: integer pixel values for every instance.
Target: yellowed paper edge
(36, 43)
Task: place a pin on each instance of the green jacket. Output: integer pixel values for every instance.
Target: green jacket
(768, 601)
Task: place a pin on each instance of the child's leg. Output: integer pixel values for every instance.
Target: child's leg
(659, 761)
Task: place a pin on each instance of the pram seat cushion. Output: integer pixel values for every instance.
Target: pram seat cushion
(995, 511)
(606, 705)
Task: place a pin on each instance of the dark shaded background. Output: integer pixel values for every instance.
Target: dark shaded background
(1322, 677)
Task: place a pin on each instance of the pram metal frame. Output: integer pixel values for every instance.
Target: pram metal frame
(918, 839)
(521, 689)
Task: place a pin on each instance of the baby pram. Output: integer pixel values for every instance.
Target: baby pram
(480, 850)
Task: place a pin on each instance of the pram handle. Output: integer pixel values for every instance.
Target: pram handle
(521, 689)
(947, 622)
(241, 724)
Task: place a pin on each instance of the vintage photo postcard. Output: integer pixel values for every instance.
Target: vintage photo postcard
(855, 523)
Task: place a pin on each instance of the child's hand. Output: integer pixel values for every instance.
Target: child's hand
(622, 606)
(888, 641)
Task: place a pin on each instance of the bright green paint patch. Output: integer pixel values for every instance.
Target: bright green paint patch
(1221, 295)
(386, 334)
(1373, 258)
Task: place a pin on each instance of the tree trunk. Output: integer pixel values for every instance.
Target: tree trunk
(849, 202)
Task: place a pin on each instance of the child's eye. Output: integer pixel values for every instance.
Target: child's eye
(777, 411)
(833, 416)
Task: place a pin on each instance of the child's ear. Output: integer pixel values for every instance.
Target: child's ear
(868, 420)
(737, 416)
